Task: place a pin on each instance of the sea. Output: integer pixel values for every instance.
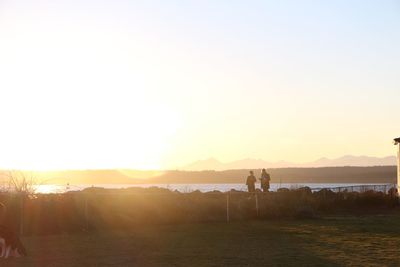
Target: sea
(187, 188)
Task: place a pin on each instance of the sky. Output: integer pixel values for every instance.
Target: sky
(158, 84)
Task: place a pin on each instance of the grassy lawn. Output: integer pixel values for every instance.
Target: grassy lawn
(333, 241)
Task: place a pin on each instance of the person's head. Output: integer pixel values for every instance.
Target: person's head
(251, 173)
(263, 170)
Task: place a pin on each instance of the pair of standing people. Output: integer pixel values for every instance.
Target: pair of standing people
(251, 181)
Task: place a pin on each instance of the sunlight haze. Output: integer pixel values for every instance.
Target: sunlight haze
(157, 85)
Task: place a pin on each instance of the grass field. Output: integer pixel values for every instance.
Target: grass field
(332, 241)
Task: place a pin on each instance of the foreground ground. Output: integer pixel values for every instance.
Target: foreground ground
(332, 241)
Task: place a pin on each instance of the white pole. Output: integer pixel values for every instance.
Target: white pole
(398, 167)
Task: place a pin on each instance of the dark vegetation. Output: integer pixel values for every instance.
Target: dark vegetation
(98, 209)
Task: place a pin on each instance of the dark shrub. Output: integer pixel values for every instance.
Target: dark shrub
(283, 189)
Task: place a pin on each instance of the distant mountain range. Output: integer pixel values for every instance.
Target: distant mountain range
(348, 160)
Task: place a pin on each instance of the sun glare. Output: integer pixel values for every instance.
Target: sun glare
(133, 136)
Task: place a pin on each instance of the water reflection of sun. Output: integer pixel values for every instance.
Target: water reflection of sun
(48, 188)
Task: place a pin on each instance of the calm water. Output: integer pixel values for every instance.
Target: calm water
(186, 188)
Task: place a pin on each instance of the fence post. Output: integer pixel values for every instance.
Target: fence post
(227, 207)
(21, 219)
(257, 204)
(86, 213)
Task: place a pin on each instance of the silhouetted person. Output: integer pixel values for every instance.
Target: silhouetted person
(265, 179)
(251, 182)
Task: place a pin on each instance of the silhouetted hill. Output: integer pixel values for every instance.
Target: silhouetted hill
(348, 160)
(379, 174)
(118, 176)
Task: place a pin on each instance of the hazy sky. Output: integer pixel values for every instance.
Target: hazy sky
(158, 84)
